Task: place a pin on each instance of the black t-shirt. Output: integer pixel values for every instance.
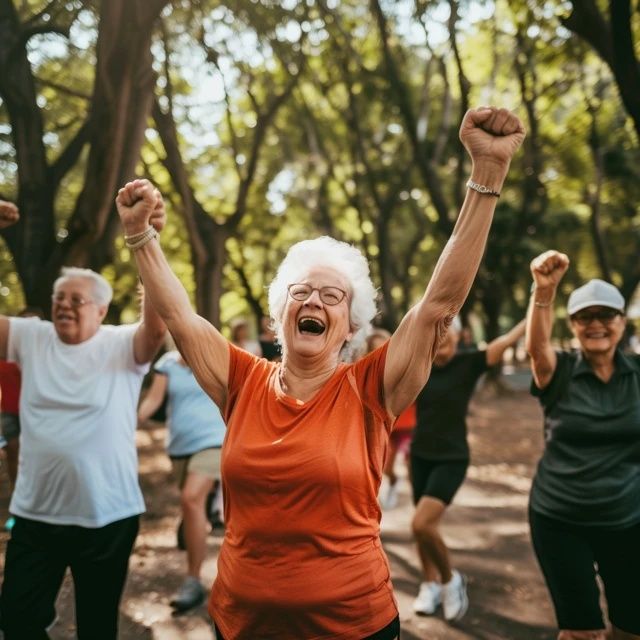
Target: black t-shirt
(270, 350)
(590, 469)
(441, 432)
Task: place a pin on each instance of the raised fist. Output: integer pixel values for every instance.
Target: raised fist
(8, 214)
(548, 268)
(139, 205)
(491, 135)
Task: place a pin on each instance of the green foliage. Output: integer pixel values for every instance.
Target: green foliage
(338, 157)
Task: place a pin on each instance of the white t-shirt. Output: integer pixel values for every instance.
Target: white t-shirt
(78, 460)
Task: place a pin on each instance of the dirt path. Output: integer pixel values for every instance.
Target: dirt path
(485, 528)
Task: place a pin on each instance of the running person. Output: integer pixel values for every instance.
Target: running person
(439, 461)
(584, 510)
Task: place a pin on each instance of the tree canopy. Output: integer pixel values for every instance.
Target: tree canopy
(266, 122)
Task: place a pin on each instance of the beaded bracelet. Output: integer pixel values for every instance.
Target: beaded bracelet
(138, 240)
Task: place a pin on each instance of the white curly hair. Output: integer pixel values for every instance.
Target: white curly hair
(344, 258)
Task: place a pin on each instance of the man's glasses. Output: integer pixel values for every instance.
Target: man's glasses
(585, 318)
(329, 295)
(73, 300)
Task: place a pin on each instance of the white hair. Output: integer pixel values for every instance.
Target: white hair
(330, 253)
(101, 289)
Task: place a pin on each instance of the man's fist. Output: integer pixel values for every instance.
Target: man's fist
(548, 268)
(8, 214)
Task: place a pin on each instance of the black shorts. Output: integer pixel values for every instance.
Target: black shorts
(567, 554)
(390, 632)
(439, 479)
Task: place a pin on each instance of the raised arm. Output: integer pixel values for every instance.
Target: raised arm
(8, 215)
(547, 271)
(204, 349)
(153, 398)
(150, 334)
(491, 137)
(497, 347)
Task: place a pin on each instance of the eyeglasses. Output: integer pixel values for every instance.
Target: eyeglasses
(74, 300)
(329, 295)
(585, 318)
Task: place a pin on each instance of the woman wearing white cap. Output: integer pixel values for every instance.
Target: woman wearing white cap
(585, 499)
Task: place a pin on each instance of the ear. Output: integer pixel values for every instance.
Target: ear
(102, 311)
(349, 336)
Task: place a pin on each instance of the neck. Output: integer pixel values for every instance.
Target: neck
(602, 363)
(302, 378)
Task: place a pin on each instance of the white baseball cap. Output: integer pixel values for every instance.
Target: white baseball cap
(596, 293)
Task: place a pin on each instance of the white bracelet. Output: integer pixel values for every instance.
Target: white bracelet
(138, 240)
(483, 189)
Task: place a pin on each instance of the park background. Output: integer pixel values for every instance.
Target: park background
(264, 123)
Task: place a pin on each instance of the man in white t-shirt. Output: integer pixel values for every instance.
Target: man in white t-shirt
(77, 500)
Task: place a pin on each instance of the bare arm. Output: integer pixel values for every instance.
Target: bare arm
(547, 271)
(491, 137)
(150, 334)
(153, 398)
(497, 347)
(204, 349)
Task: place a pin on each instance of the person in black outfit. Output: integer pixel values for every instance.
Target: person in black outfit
(584, 509)
(439, 461)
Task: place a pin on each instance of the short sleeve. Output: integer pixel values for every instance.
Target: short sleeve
(479, 363)
(369, 378)
(165, 362)
(121, 342)
(241, 364)
(558, 383)
(22, 332)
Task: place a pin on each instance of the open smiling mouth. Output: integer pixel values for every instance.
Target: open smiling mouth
(311, 326)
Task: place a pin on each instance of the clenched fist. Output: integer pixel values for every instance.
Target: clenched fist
(491, 135)
(548, 268)
(139, 205)
(8, 214)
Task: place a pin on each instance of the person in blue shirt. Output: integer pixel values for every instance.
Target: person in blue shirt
(195, 434)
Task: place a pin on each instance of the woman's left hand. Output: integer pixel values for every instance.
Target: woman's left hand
(491, 135)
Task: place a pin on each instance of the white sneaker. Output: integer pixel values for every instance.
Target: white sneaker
(455, 601)
(428, 598)
(390, 500)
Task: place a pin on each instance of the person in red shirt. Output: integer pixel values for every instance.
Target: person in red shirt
(307, 437)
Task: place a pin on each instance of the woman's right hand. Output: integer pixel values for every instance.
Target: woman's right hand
(548, 268)
(139, 205)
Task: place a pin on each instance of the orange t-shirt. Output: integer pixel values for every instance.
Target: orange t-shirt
(301, 557)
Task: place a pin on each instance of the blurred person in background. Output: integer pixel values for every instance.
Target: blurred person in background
(240, 337)
(10, 412)
(195, 432)
(440, 458)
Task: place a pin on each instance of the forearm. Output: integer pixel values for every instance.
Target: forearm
(538, 336)
(458, 264)
(165, 297)
(147, 408)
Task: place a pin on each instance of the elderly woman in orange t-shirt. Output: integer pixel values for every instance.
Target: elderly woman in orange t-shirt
(303, 455)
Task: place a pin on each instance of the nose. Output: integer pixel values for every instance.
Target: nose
(314, 299)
